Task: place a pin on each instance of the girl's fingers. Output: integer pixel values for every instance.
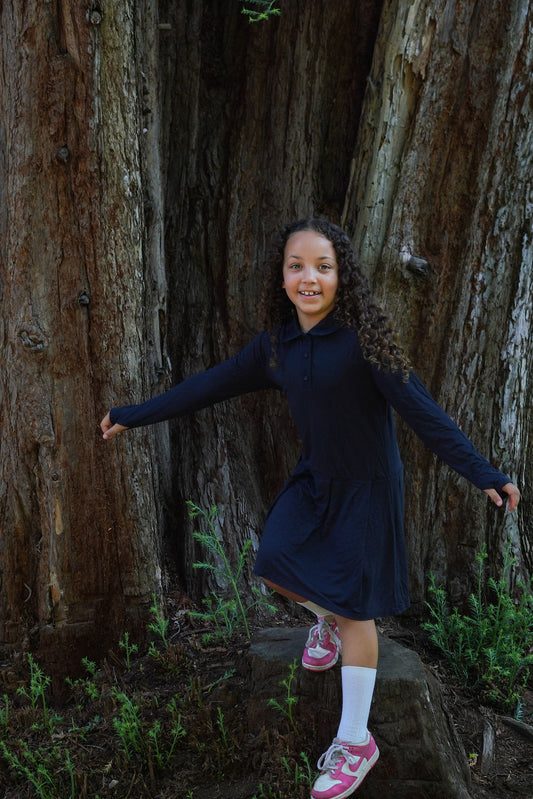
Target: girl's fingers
(511, 490)
(514, 495)
(113, 430)
(109, 429)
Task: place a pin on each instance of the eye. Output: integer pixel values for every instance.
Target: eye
(294, 265)
(325, 267)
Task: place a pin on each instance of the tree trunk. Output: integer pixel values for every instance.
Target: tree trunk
(263, 123)
(260, 124)
(441, 171)
(424, 150)
(79, 539)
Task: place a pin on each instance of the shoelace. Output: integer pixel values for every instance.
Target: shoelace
(319, 631)
(330, 759)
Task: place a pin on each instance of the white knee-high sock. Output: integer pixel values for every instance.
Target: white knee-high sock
(357, 690)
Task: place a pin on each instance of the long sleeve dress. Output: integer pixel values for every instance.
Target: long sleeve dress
(334, 534)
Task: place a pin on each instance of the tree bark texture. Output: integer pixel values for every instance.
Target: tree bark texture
(409, 122)
(442, 171)
(80, 313)
(264, 123)
(260, 125)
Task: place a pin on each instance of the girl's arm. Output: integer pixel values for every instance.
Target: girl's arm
(435, 428)
(247, 371)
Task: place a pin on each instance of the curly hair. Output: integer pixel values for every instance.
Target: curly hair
(355, 305)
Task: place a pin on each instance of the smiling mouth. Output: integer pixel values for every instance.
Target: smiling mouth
(309, 293)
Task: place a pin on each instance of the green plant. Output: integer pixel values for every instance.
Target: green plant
(299, 775)
(287, 704)
(266, 9)
(88, 684)
(39, 768)
(159, 623)
(130, 649)
(39, 683)
(158, 736)
(491, 646)
(226, 676)
(227, 614)
(221, 724)
(128, 725)
(4, 714)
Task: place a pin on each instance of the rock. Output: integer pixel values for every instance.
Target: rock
(420, 752)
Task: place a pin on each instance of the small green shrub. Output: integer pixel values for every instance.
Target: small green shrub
(159, 624)
(87, 684)
(129, 648)
(289, 700)
(39, 684)
(40, 768)
(490, 647)
(227, 614)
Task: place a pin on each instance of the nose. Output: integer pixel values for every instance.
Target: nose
(308, 274)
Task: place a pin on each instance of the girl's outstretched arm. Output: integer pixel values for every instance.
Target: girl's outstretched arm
(109, 429)
(511, 490)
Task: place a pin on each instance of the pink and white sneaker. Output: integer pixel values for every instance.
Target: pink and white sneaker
(343, 768)
(323, 646)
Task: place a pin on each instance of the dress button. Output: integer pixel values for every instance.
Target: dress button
(305, 378)
(306, 355)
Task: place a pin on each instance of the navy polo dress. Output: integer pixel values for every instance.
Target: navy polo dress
(335, 533)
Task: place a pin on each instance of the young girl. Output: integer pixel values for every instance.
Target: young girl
(333, 540)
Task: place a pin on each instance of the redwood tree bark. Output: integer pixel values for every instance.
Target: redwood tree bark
(260, 122)
(264, 123)
(441, 171)
(409, 122)
(79, 541)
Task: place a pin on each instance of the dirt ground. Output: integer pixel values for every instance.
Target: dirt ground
(172, 723)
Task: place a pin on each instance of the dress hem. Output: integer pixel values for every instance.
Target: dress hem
(333, 608)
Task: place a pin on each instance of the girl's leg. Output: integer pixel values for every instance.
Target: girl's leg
(359, 665)
(312, 606)
(284, 591)
(353, 752)
(359, 642)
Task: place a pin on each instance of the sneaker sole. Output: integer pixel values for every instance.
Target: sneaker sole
(320, 668)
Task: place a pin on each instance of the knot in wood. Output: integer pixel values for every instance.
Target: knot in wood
(31, 341)
(419, 266)
(83, 299)
(62, 155)
(95, 17)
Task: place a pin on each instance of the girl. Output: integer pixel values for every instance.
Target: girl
(333, 540)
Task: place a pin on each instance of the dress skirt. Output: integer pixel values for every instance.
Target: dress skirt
(338, 543)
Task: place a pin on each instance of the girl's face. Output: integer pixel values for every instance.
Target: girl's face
(310, 276)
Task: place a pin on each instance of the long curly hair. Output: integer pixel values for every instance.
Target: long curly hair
(355, 305)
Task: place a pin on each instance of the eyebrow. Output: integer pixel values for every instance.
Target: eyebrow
(320, 257)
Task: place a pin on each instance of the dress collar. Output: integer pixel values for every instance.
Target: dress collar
(291, 330)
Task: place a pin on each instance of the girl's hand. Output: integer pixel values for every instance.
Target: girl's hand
(511, 490)
(109, 429)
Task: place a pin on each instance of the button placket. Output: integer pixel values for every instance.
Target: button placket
(306, 367)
